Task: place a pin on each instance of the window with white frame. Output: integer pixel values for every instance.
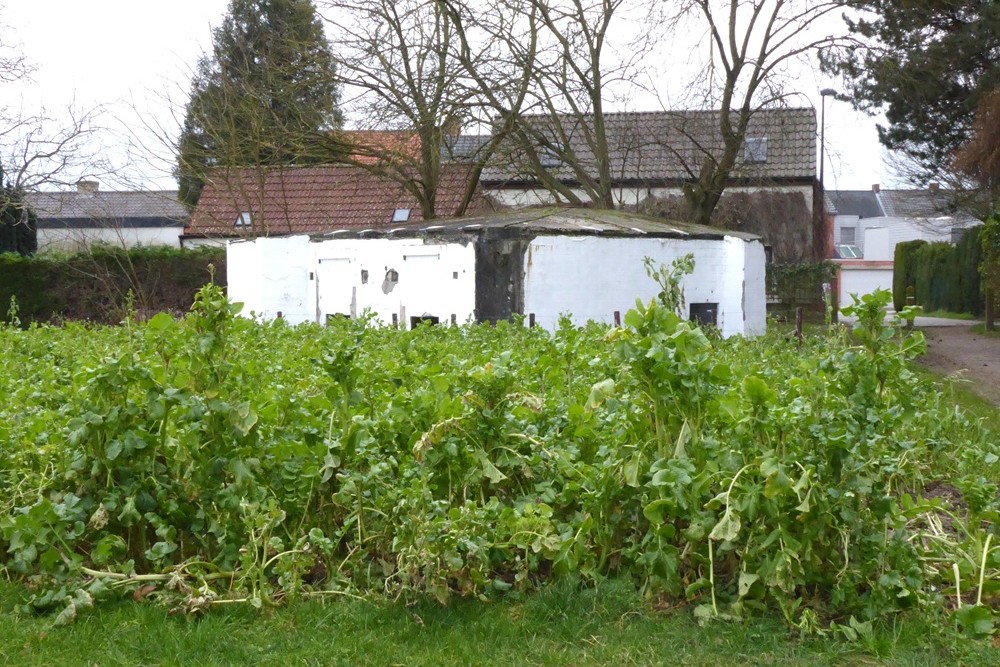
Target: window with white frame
(244, 221)
(755, 150)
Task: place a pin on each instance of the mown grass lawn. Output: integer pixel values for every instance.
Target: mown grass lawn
(562, 625)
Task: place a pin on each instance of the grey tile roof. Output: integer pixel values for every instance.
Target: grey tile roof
(157, 207)
(862, 203)
(670, 146)
(463, 146)
(914, 204)
(923, 204)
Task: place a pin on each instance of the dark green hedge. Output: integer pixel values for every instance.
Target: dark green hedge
(944, 276)
(100, 285)
(903, 275)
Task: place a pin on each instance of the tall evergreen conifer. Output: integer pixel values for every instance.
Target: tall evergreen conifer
(262, 97)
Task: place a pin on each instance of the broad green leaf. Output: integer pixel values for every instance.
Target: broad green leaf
(631, 470)
(113, 449)
(599, 393)
(160, 322)
(747, 580)
(728, 527)
(975, 620)
(490, 471)
(680, 448)
(657, 510)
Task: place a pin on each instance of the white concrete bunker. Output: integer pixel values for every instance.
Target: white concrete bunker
(541, 263)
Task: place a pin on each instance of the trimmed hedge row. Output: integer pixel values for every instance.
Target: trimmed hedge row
(943, 276)
(103, 284)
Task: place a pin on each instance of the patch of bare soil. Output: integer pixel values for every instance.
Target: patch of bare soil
(974, 358)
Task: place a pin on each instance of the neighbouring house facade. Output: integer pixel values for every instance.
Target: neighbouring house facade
(73, 221)
(867, 225)
(539, 262)
(280, 201)
(772, 192)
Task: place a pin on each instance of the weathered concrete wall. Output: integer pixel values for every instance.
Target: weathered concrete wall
(590, 278)
(746, 258)
(271, 276)
(402, 277)
(500, 278)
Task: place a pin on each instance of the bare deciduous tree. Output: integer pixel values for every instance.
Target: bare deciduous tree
(571, 70)
(751, 43)
(38, 148)
(424, 69)
(396, 63)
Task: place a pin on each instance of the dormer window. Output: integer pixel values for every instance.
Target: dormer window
(244, 221)
(548, 158)
(401, 215)
(755, 150)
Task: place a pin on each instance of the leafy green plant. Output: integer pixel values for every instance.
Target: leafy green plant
(212, 460)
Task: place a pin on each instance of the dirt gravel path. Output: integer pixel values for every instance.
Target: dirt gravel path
(973, 357)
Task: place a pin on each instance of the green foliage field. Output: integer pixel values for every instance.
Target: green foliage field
(215, 461)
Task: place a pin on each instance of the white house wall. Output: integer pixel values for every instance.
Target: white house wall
(590, 278)
(898, 229)
(304, 281)
(74, 240)
(243, 277)
(521, 198)
(877, 245)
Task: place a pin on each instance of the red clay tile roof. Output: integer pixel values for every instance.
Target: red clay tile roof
(372, 145)
(301, 200)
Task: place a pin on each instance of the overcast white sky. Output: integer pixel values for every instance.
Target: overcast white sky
(135, 58)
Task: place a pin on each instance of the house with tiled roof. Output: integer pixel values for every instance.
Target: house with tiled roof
(867, 225)
(74, 220)
(772, 191)
(931, 214)
(281, 201)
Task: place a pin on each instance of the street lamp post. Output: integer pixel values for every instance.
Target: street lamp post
(831, 294)
(825, 93)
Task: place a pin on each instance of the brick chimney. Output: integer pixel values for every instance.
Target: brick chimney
(876, 188)
(87, 187)
(933, 186)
